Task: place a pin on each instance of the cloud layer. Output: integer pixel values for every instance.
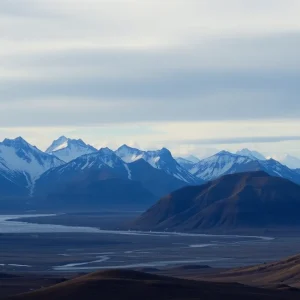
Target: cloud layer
(85, 64)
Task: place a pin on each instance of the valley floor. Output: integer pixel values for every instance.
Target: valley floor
(86, 242)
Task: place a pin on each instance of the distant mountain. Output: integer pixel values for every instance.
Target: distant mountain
(290, 161)
(101, 165)
(12, 184)
(25, 170)
(185, 163)
(129, 154)
(160, 159)
(218, 165)
(251, 154)
(243, 200)
(155, 180)
(68, 149)
(273, 168)
(192, 158)
(104, 177)
(22, 164)
(224, 163)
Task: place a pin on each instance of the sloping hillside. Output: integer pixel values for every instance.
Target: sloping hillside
(251, 200)
(133, 285)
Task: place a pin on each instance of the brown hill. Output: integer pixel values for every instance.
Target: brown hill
(280, 274)
(244, 200)
(133, 285)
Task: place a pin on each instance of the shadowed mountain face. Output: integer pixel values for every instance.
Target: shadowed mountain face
(241, 200)
(155, 180)
(133, 285)
(103, 179)
(12, 188)
(95, 193)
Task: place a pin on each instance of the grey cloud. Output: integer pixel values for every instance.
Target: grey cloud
(25, 9)
(214, 78)
(241, 140)
(170, 97)
(276, 52)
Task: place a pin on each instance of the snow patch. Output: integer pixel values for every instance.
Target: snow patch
(128, 171)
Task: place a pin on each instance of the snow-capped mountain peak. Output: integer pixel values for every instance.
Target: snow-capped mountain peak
(219, 164)
(68, 149)
(251, 154)
(224, 152)
(160, 159)
(17, 143)
(19, 158)
(129, 154)
(99, 160)
(60, 143)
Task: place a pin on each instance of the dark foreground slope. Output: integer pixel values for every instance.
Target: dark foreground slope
(133, 285)
(283, 274)
(16, 284)
(244, 200)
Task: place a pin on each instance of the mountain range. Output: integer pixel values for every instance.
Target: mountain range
(71, 170)
(224, 163)
(102, 178)
(161, 159)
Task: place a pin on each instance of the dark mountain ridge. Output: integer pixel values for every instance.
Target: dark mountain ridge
(242, 200)
(103, 179)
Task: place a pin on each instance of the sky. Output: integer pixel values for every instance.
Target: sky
(195, 76)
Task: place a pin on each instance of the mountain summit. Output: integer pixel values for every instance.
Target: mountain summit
(218, 165)
(251, 154)
(22, 162)
(68, 149)
(160, 159)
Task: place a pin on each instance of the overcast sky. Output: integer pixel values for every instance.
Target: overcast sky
(191, 75)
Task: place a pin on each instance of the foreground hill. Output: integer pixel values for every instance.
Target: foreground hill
(133, 285)
(244, 200)
(280, 274)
